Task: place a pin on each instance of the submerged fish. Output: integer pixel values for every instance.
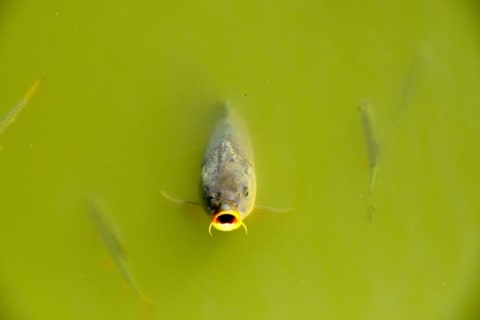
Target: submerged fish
(10, 116)
(113, 245)
(371, 142)
(228, 183)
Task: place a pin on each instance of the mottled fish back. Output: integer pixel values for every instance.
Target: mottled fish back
(230, 129)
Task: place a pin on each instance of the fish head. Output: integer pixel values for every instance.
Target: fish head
(226, 208)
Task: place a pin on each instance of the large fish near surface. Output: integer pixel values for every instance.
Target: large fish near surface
(228, 183)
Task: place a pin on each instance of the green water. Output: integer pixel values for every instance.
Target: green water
(125, 108)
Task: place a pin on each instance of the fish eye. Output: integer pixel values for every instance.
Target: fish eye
(245, 191)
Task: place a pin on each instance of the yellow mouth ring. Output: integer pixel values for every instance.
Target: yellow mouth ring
(227, 220)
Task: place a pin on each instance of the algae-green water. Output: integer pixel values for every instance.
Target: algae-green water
(124, 111)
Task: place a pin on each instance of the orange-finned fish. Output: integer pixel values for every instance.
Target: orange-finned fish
(113, 244)
(9, 118)
(228, 183)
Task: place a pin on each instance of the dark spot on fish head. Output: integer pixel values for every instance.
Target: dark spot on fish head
(215, 204)
(243, 194)
(211, 200)
(245, 191)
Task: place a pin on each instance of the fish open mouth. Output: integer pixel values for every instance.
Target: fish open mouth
(227, 220)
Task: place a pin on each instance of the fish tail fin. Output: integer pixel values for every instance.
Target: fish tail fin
(373, 178)
(146, 306)
(226, 109)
